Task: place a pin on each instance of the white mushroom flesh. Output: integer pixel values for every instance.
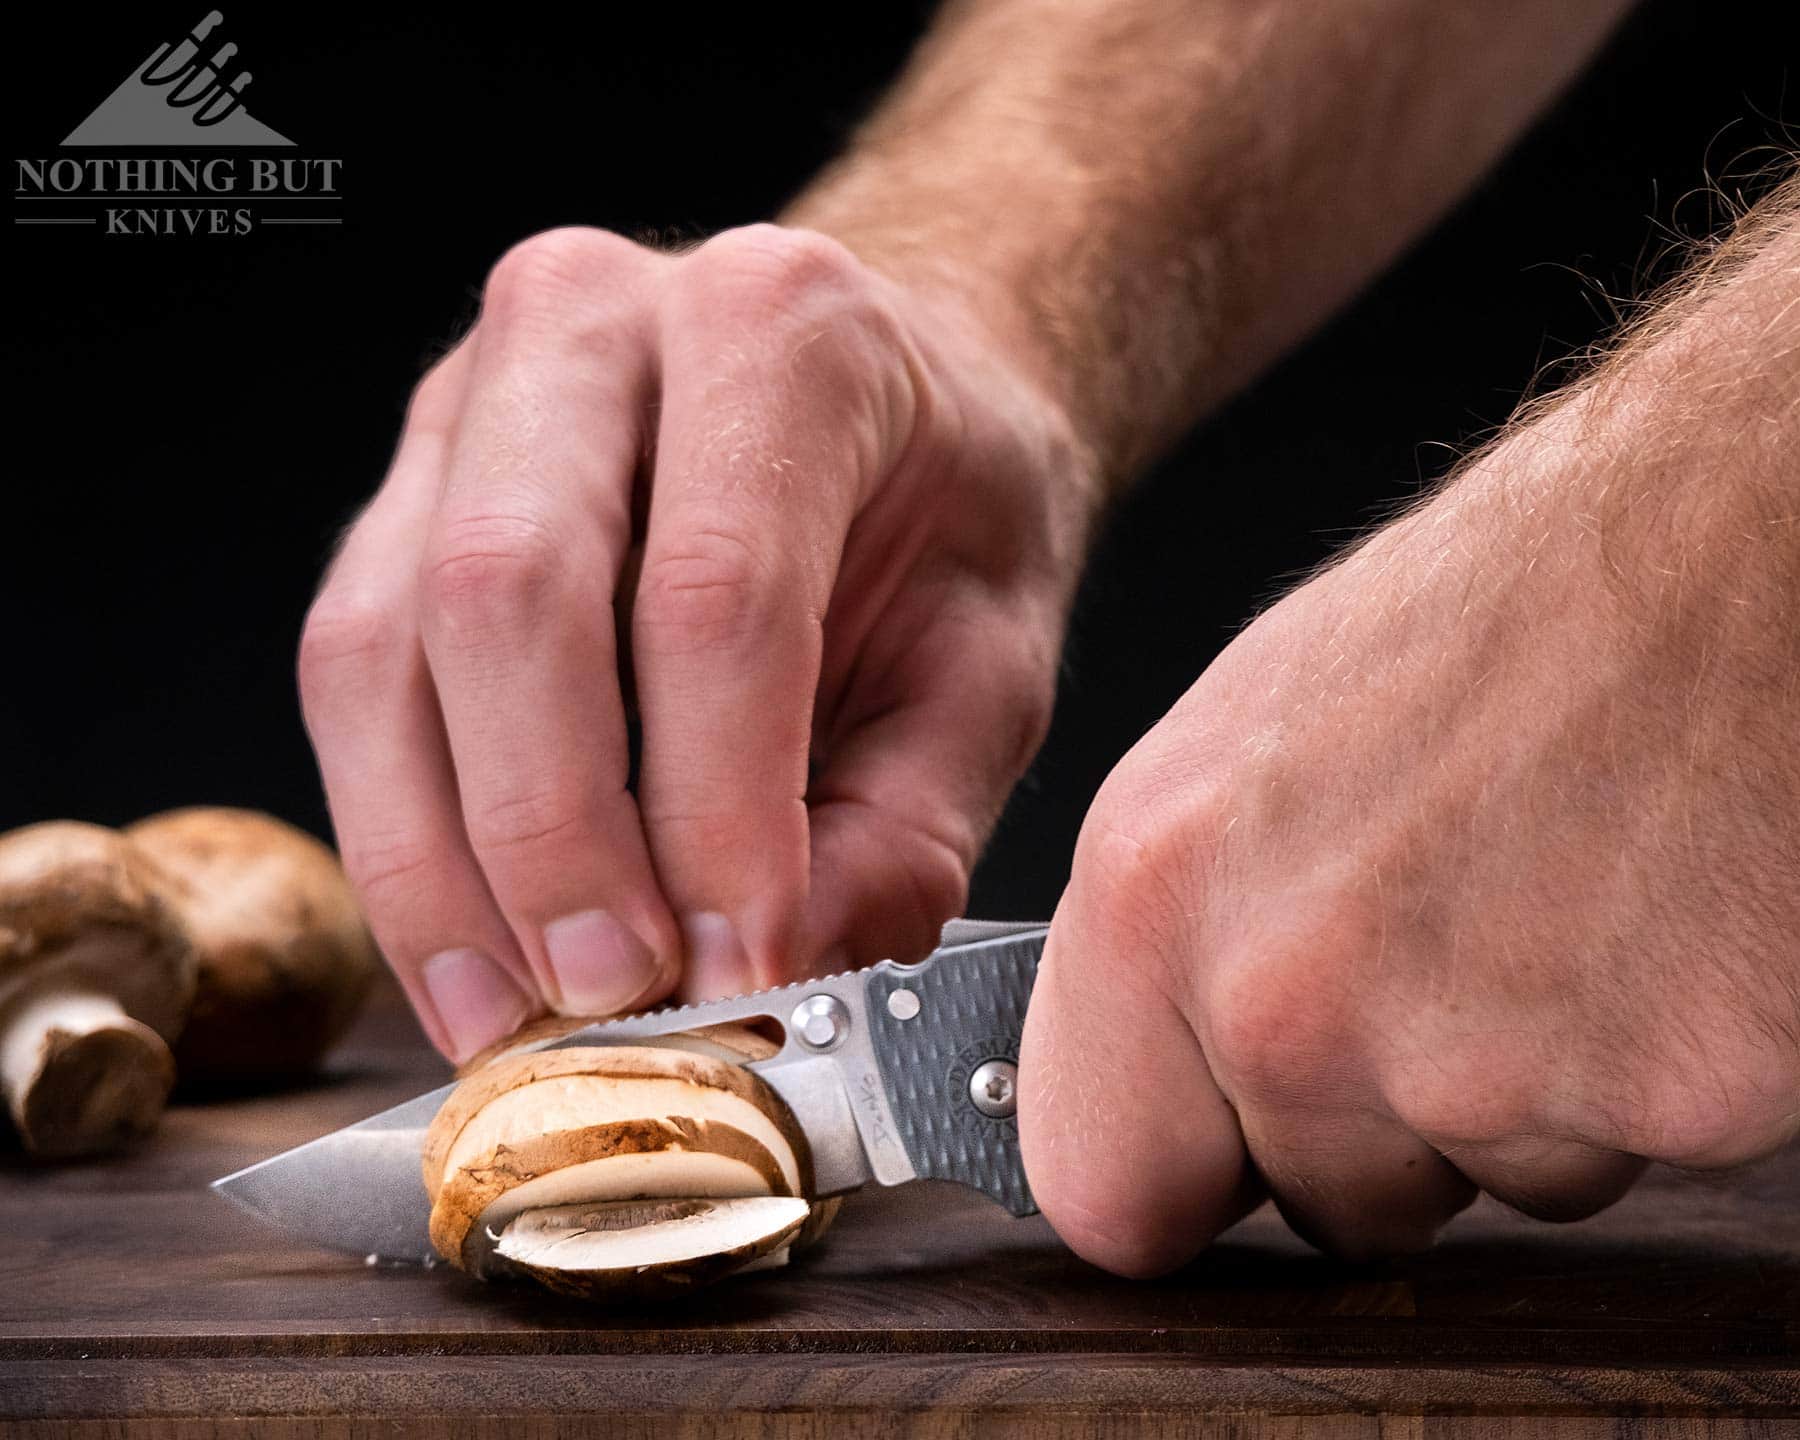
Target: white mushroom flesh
(572, 1102)
(637, 1235)
(661, 1174)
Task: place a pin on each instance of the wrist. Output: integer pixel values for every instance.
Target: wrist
(1662, 484)
(974, 292)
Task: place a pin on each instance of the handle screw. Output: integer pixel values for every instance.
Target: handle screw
(821, 1022)
(994, 1087)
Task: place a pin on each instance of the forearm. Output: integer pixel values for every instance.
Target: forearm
(1630, 543)
(1147, 200)
(1672, 467)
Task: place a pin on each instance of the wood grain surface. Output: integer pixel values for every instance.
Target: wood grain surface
(133, 1302)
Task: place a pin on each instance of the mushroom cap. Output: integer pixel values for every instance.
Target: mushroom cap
(285, 957)
(647, 1249)
(80, 908)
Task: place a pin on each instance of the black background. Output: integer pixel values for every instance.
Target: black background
(193, 418)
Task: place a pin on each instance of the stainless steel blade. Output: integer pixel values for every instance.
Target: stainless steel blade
(359, 1189)
(958, 933)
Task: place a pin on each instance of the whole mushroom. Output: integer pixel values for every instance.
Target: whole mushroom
(220, 944)
(285, 958)
(96, 976)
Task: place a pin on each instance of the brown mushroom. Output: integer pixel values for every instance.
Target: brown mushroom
(530, 1160)
(285, 956)
(96, 974)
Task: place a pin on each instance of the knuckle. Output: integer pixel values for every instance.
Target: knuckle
(1262, 1027)
(1112, 1232)
(1284, 1008)
(488, 572)
(935, 870)
(1722, 1108)
(432, 407)
(543, 272)
(382, 867)
(774, 263)
(1137, 850)
(1034, 701)
(1468, 1094)
(345, 635)
(1132, 886)
(710, 592)
(846, 349)
(520, 822)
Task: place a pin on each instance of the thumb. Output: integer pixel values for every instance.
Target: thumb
(1133, 1154)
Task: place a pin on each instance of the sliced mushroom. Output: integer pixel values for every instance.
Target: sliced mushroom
(523, 1098)
(628, 1120)
(285, 957)
(96, 974)
(588, 1126)
(643, 1249)
(662, 1159)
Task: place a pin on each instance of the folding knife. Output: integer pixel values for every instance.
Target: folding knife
(895, 1073)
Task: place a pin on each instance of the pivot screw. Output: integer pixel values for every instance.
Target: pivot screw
(821, 1022)
(994, 1087)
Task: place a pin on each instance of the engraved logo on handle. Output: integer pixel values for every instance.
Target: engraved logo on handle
(868, 1095)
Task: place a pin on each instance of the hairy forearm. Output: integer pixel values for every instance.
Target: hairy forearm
(1636, 532)
(1680, 445)
(1147, 200)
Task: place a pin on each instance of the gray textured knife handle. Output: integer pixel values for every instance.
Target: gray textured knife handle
(971, 1009)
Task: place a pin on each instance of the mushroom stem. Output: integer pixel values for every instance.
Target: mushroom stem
(80, 1075)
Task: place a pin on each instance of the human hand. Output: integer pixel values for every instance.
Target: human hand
(1474, 863)
(836, 533)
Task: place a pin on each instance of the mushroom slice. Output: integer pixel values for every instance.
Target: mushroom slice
(524, 1097)
(647, 1249)
(729, 1040)
(630, 1159)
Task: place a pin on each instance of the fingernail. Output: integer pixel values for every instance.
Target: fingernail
(476, 1000)
(717, 964)
(600, 966)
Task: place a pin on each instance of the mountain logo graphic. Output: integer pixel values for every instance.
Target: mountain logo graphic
(184, 94)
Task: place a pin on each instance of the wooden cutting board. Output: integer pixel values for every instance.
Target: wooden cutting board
(133, 1302)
